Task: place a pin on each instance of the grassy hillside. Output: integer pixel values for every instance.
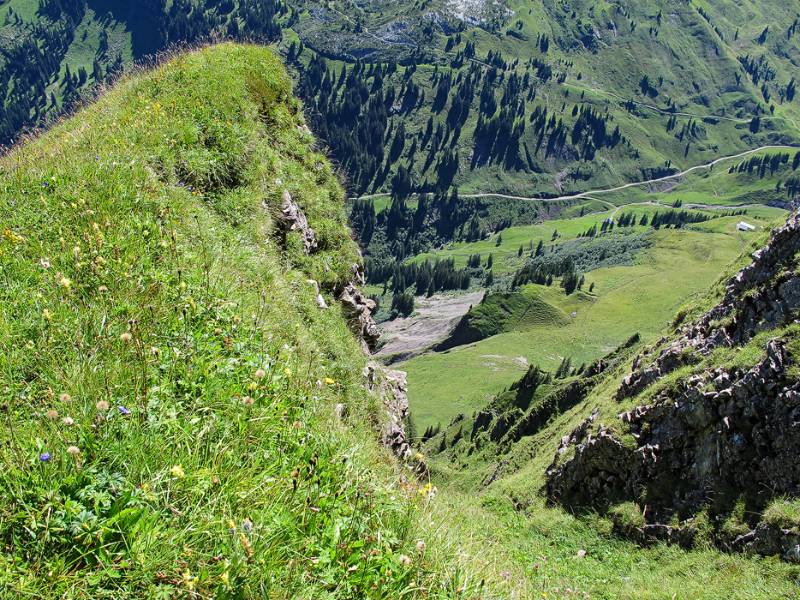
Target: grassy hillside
(516, 96)
(682, 84)
(169, 380)
(636, 298)
(491, 465)
(504, 312)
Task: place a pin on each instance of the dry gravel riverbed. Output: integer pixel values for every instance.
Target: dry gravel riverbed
(433, 319)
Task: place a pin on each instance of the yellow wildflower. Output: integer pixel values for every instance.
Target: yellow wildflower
(189, 581)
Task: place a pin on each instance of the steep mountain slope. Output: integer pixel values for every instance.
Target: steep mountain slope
(716, 418)
(183, 412)
(635, 292)
(693, 445)
(562, 96)
(516, 96)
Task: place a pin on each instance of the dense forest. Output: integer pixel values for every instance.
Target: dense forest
(361, 112)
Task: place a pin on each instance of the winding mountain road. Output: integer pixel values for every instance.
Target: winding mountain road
(588, 193)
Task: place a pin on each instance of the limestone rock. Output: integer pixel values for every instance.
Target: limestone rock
(320, 300)
(772, 300)
(769, 540)
(391, 387)
(292, 218)
(724, 430)
(358, 310)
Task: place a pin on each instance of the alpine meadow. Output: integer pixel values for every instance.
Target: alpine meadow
(465, 299)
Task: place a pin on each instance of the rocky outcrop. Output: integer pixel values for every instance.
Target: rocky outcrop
(600, 468)
(358, 311)
(292, 218)
(723, 430)
(392, 388)
(389, 385)
(770, 540)
(723, 433)
(763, 295)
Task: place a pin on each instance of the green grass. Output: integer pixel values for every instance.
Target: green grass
(539, 544)
(26, 10)
(536, 548)
(164, 432)
(783, 513)
(506, 255)
(640, 298)
(504, 312)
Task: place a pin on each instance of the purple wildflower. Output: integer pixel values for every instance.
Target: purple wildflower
(44, 456)
(123, 411)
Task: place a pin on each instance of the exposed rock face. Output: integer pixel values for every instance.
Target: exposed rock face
(392, 388)
(748, 307)
(388, 384)
(737, 430)
(358, 310)
(770, 540)
(718, 435)
(292, 218)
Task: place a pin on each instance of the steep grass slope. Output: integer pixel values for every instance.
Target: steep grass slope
(168, 378)
(504, 462)
(641, 297)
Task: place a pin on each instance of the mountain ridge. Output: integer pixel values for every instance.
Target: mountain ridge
(185, 409)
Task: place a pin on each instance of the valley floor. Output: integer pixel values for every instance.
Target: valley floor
(639, 298)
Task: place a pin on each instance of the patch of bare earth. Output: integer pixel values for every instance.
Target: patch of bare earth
(433, 320)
